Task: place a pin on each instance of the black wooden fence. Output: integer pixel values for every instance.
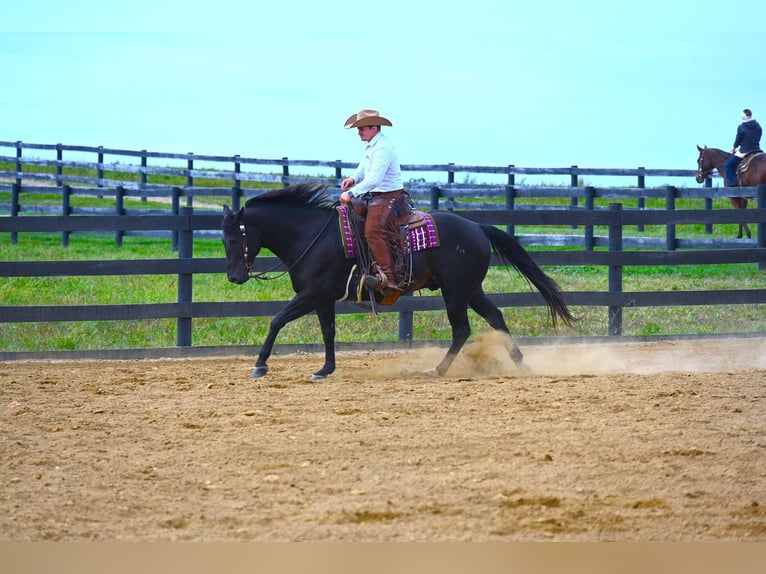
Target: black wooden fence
(185, 309)
(184, 221)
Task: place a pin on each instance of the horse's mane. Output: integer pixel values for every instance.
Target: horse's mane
(300, 195)
(713, 149)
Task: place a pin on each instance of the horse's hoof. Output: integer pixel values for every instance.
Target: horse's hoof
(259, 372)
(431, 373)
(318, 377)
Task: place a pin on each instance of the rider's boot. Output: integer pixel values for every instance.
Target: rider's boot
(380, 282)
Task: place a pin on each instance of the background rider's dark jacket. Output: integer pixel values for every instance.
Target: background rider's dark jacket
(748, 137)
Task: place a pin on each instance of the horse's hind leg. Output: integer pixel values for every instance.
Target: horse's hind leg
(457, 313)
(492, 315)
(741, 203)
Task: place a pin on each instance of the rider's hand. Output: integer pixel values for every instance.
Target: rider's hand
(346, 197)
(347, 183)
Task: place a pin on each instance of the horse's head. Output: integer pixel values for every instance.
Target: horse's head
(704, 165)
(240, 250)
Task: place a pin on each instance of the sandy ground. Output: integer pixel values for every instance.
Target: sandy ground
(627, 442)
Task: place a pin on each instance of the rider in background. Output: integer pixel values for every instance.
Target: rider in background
(379, 175)
(748, 140)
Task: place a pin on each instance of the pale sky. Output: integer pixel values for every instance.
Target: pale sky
(538, 84)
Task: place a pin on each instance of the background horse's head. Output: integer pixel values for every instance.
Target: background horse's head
(709, 160)
(704, 165)
(240, 249)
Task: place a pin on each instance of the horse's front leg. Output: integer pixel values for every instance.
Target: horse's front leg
(326, 315)
(297, 307)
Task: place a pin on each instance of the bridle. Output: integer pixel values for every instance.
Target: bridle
(245, 251)
(703, 175)
(262, 275)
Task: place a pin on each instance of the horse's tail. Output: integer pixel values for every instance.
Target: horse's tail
(512, 253)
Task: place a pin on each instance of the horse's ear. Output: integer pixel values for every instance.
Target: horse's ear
(700, 149)
(226, 210)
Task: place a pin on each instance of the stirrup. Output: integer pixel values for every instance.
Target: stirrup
(372, 281)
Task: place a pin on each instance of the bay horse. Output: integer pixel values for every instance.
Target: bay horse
(711, 159)
(299, 225)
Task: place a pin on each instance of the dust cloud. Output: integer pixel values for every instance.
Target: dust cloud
(487, 355)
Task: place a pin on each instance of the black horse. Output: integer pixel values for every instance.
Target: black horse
(299, 224)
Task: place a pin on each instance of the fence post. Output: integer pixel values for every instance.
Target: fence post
(451, 179)
(670, 229)
(510, 198)
(709, 205)
(236, 190)
(119, 209)
(100, 168)
(66, 209)
(15, 208)
(338, 172)
(285, 172)
(761, 227)
(16, 191)
(615, 272)
(435, 194)
(19, 166)
(175, 206)
(59, 167)
(189, 179)
(406, 321)
(60, 186)
(573, 183)
(185, 251)
(143, 175)
(641, 203)
(590, 194)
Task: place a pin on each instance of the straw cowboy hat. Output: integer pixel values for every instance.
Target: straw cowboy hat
(366, 118)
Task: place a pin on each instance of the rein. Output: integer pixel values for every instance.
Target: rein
(262, 275)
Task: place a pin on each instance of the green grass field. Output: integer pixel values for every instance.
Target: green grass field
(362, 327)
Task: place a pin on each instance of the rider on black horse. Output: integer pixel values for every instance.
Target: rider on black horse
(380, 176)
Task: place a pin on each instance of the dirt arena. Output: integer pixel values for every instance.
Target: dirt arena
(627, 442)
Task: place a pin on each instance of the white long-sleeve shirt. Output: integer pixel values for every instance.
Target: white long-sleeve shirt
(379, 171)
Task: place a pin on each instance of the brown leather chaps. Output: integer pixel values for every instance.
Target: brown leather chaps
(385, 213)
